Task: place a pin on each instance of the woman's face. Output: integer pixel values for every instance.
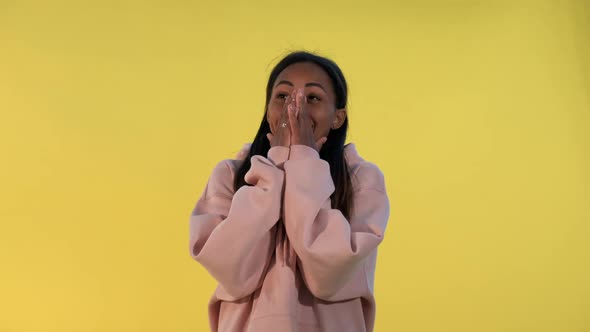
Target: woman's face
(319, 92)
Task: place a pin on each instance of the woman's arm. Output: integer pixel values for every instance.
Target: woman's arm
(337, 256)
(232, 235)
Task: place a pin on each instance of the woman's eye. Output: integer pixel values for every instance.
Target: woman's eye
(313, 98)
(281, 95)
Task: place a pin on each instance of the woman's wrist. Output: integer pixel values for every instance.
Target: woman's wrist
(300, 151)
(278, 155)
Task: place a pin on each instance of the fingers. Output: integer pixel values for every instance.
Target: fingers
(319, 143)
(282, 134)
(301, 102)
(302, 113)
(293, 120)
(284, 116)
(304, 118)
(299, 123)
(294, 96)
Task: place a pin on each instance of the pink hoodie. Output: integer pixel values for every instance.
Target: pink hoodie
(284, 259)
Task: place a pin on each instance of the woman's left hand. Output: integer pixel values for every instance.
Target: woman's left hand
(300, 122)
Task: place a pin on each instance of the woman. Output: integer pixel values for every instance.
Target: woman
(290, 228)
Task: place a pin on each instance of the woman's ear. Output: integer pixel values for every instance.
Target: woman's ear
(339, 117)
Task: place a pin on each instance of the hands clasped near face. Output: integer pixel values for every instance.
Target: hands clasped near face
(295, 125)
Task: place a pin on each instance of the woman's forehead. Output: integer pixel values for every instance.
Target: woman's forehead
(305, 71)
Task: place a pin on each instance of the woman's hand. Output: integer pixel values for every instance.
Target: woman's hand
(282, 135)
(301, 124)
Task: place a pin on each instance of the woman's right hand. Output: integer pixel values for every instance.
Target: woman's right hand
(282, 134)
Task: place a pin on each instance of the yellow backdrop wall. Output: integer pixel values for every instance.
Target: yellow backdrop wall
(113, 114)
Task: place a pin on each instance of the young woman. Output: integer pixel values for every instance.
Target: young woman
(290, 227)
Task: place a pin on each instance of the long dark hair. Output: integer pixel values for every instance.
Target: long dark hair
(332, 151)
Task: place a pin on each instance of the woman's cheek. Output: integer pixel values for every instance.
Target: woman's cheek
(320, 125)
(271, 119)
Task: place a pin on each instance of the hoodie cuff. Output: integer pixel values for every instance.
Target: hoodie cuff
(303, 152)
(278, 155)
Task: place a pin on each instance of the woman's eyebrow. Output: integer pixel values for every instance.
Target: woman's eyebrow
(284, 82)
(307, 84)
(316, 84)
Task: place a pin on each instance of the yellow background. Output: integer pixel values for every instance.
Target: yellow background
(113, 114)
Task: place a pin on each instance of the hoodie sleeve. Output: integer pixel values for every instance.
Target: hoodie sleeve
(337, 256)
(232, 235)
